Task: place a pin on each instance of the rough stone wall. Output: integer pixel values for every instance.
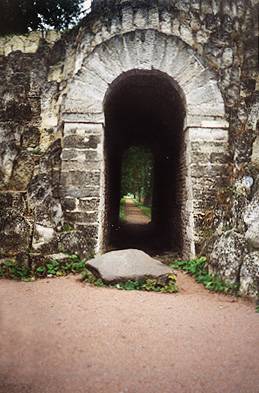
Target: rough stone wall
(30, 147)
(34, 80)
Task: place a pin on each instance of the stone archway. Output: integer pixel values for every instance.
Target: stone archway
(205, 128)
(143, 108)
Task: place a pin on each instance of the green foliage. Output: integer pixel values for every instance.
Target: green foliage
(198, 269)
(53, 268)
(137, 174)
(67, 228)
(56, 268)
(145, 209)
(22, 16)
(257, 308)
(122, 209)
(12, 270)
(165, 284)
(87, 276)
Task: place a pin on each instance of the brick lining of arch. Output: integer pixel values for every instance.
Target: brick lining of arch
(205, 128)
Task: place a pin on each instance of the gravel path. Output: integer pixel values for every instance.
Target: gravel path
(60, 335)
(133, 214)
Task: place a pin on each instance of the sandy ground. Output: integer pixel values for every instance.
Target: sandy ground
(60, 335)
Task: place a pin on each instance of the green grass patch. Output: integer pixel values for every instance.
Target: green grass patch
(198, 269)
(147, 211)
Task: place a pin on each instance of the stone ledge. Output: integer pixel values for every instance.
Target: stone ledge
(27, 43)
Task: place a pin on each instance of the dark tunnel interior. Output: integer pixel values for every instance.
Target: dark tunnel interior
(143, 108)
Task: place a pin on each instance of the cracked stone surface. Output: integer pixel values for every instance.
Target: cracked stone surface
(124, 265)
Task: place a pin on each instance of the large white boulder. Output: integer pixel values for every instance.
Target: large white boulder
(124, 265)
(249, 275)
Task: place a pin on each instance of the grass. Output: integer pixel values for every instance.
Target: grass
(147, 211)
(198, 269)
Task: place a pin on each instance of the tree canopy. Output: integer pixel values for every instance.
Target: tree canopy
(22, 16)
(137, 174)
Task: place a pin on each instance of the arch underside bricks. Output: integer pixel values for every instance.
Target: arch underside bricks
(205, 130)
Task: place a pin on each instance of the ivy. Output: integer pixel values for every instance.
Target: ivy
(198, 269)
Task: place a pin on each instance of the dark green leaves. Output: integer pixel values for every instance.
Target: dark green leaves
(21, 16)
(198, 269)
(165, 284)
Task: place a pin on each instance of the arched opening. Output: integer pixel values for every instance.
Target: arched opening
(144, 108)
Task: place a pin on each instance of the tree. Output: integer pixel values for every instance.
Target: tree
(22, 16)
(137, 174)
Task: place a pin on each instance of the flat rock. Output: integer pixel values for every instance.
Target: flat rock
(124, 265)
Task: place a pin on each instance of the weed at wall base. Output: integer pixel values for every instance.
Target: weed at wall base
(197, 268)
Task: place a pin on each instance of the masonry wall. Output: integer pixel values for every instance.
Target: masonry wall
(37, 219)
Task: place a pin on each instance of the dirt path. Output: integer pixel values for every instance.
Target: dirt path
(133, 214)
(59, 335)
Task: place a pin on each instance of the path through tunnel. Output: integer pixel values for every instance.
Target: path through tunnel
(144, 108)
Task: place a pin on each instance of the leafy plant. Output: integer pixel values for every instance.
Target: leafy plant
(53, 268)
(198, 269)
(91, 279)
(56, 268)
(164, 284)
(11, 269)
(67, 228)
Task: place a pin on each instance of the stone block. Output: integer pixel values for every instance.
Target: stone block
(88, 204)
(79, 166)
(227, 256)
(82, 129)
(203, 170)
(208, 134)
(44, 239)
(252, 235)
(80, 155)
(15, 233)
(125, 265)
(69, 204)
(81, 142)
(81, 217)
(84, 191)
(255, 153)
(249, 275)
(13, 200)
(81, 242)
(77, 178)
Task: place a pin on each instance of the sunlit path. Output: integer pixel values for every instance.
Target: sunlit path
(133, 214)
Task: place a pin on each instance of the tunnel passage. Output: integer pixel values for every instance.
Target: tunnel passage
(144, 108)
